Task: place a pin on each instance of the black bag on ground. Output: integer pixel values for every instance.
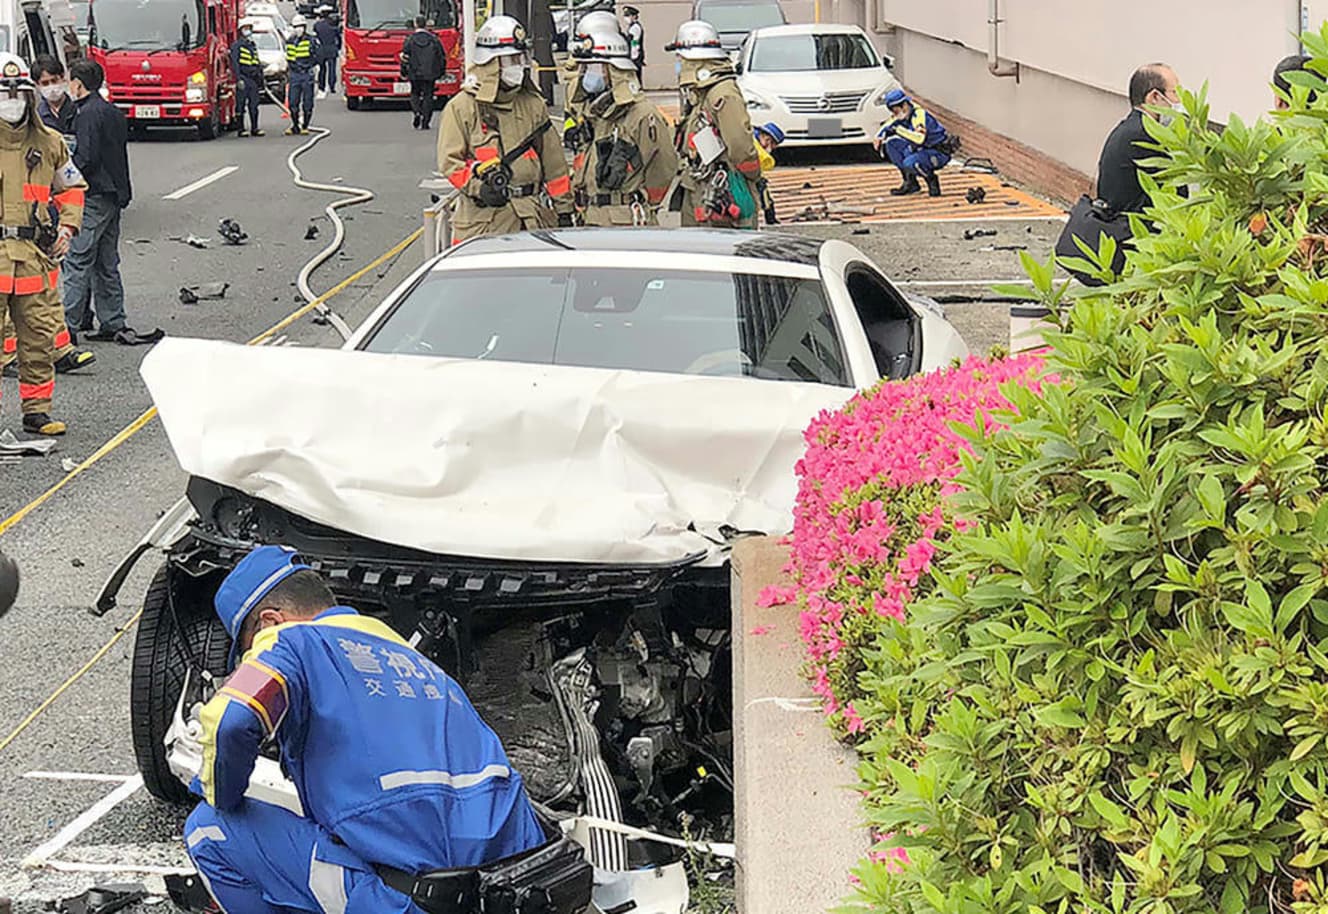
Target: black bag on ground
(1089, 221)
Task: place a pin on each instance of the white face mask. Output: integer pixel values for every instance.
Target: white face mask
(54, 92)
(299, 31)
(13, 109)
(593, 80)
(512, 74)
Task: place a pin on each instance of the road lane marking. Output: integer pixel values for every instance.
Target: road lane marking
(132, 429)
(201, 182)
(85, 820)
(79, 776)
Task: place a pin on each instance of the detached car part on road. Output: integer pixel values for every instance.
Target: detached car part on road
(533, 459)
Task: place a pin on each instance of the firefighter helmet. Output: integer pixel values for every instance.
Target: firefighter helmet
(499, 36)
(605, 47)
(299, 22)
(697, 40)
(595, 23)
(15, 74)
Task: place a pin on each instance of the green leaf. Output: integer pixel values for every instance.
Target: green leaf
(1210, 495)
(1304, 747)
(1055, 716)
(1108, 810)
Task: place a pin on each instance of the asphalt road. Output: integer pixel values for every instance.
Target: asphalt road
(69, 544)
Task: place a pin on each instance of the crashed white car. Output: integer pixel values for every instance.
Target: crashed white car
(533, 458)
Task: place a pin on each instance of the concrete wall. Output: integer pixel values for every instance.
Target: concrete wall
(1076, 58)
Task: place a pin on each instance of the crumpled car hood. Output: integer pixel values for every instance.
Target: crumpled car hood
(488, 459)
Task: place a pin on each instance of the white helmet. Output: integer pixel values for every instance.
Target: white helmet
(15, 74)
(499, 36)
(298, 21)
(605, 47)
(697, 40)
(595, 23)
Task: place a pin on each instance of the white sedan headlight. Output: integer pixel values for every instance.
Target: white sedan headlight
(756, 102)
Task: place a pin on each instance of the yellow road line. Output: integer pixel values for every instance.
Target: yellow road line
(132, 429)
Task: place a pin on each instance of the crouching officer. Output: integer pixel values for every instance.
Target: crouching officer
(576, 131)
(768, 138)
(396, 773)
(41, 192)
(302, 55)
(497, 145)
(915, 143)
(717, 158)
(630, 161)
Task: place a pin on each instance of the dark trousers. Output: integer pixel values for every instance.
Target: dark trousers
(421, 100)
(300, 95)
(327, 74)
(248, 92)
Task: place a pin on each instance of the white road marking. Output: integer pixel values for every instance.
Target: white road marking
(79, 776)
(83, 822)
(201, 182)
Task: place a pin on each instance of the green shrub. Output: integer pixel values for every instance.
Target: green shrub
(1115, 697)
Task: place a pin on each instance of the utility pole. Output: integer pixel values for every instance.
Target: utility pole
(468, 32)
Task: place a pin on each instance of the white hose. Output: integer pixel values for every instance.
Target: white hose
(351, 196)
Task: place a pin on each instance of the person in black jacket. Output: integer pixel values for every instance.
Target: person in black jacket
(1151, 86)
(329, 49)
(92, 268)
(423, 62)
(248, 80)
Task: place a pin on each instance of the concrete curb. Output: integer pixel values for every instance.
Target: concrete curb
(798, 823)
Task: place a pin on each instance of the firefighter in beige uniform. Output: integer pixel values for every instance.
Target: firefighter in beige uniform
(36, 172)
(497, 145)
(622, 176)
(714, 133)
(576, 129)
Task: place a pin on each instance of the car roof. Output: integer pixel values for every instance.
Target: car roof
(774, 246)
(807, 28)
(260, 23)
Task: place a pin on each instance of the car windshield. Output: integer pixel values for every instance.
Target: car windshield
(813, 52)
(683, 322)
(267, 41)
(147, 24)
(741, 17)
(399, 14)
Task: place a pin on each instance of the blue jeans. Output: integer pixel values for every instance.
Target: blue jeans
(327, 74)
(300, 95)
(261, 859)
(914, 160)
(92, 269)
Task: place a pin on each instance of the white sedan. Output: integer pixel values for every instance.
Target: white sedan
(822, 84)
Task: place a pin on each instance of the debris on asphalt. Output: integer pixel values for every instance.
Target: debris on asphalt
(311, 232)
(69, 464)
(77, 563)
(192, 240)
(231, 233)
(187, 296)
(38, 447)
(970, 234)
(979, 164)
(976, 195)
(188, 893)
(862, 231)
(1009, 247)
(104, 899)
(192, 295)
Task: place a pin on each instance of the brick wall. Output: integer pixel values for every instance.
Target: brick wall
(1016, 161)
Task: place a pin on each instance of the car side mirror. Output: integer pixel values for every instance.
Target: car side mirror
(737, 66)
(887, 61)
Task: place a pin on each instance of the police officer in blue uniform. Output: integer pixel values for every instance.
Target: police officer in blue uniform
(248, 80)
(302, 53)
(915, 143)
(395, 770)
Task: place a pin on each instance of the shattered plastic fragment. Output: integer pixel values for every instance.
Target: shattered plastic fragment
(35, 446)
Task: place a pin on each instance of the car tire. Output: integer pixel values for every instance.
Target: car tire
(352, 102)
(208, 129)
(161, 649)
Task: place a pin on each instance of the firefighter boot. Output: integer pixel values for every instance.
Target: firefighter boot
(910, 186)
(933, 185)
(42, 424)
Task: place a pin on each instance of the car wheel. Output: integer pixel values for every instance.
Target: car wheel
(353, 102)
(208, 129)
(177, 623)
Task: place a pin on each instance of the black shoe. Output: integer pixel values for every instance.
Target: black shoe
(42, 424)
(74, 360)
(424, 126)
(415, 122)
(910, 186)
(933, 186)
(257, 132)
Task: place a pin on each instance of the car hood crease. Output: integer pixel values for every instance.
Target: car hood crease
(489, 459)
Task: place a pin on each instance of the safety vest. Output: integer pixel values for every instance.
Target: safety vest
(300, 50)
(249, 57)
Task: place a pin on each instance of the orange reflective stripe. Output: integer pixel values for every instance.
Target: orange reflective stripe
(559, 186)
(530, 154)
(485, 153)
(6, 284)
(579, 160)
(459, 177)
(36, 391)
(656, 194)
(29, 285)
(750, 168)
(37, 193)
(10, 344)
(71, 197)
(62, 338)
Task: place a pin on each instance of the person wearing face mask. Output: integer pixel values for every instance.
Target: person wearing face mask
(576, 129)
(636, 39)
(1153, 92)
(248, 80)
(423, 62)
(497, 146)
(301, 58)
(915, 143)
(56, 111)
(717, 158)
(35, 169)
(629, 161)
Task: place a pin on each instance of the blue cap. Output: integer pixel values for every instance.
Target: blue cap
(250, 581)
(773, 129)
(895, 97)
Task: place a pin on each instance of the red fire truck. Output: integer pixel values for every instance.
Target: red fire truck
(167, 62)
(373, 35)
